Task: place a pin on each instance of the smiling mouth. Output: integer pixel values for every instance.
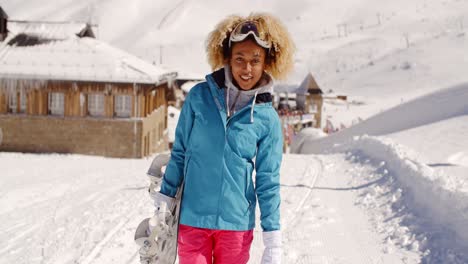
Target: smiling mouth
(246, 77)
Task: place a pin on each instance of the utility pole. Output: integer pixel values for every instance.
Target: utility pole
(160, 54)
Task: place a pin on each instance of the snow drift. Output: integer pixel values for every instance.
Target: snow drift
(427, 109)
(440, 202)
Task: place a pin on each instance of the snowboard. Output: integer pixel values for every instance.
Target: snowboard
(157, 236)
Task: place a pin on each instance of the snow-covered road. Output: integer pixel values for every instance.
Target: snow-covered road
(80, 209)
(331, 227)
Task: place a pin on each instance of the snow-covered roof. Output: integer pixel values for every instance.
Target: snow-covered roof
(46, 30)
(285, 88)
(308, 85)
(186, 75)
(61, 55)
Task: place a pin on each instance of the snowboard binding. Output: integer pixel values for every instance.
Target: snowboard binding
(157, 236)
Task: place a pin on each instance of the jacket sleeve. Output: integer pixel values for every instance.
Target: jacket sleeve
(267, 166)
(175, 168)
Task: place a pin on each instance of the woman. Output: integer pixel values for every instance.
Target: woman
(227, 128)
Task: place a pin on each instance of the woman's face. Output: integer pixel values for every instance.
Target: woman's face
(247, 63)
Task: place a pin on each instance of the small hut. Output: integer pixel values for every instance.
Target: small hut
(312, 99)
(307, 98)
(62, 90)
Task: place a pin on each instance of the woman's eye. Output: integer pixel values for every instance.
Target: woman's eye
(239, 60)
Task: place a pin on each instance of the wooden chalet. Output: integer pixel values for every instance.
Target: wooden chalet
(62, 90)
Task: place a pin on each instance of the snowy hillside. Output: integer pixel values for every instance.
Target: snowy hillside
(378, 53)
(370, 31)
(444, 104)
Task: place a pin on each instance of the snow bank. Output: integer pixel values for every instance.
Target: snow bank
(441, 201)
(308, 133)
(427, 109)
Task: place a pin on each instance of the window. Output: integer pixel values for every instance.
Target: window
(123, 105)
(12, 102)
(22, 101)
(96, 104)
(56, 103)
(313, 107)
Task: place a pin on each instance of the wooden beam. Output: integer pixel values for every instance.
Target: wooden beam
(109, 106)
(3, 103)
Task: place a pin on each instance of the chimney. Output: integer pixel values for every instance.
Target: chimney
(3, 24)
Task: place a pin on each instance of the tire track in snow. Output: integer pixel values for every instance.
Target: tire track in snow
(111, 235)
(331, 228)
(312, 174)
(297, 183)
(101, 245)
(293, 235)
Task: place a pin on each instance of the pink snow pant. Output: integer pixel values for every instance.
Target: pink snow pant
(209, 246)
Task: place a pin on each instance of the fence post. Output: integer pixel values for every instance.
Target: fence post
(406, 36)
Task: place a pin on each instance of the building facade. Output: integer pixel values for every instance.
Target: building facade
(63, 91)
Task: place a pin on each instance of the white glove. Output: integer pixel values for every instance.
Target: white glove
(272, 242)
(163, 205)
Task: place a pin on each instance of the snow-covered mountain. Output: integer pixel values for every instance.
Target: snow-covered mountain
(372, 32)
(378, 53)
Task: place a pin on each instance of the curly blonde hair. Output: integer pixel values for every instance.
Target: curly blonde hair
(279, 59)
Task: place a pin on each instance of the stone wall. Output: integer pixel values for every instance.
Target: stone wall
(122, 138)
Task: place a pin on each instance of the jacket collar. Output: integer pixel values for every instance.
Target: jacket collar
(219, 78)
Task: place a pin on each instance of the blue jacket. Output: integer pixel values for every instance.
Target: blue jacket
(216, 156)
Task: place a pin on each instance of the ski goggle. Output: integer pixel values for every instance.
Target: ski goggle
(245, 29)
